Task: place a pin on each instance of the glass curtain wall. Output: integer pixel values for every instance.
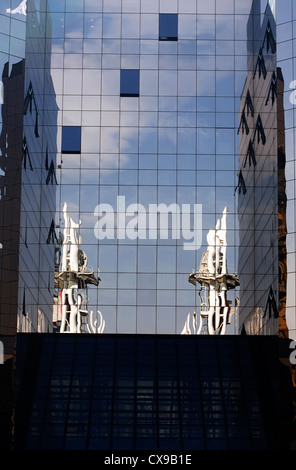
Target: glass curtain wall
(12, 54)
(258, 182)
(286, 16)
(38, 178)
(28, 159)
(149, 95)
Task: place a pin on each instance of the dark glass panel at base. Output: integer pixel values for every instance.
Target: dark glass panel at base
(109, 406)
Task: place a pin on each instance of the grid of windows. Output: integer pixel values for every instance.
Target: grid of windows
(106, 392)
(175, 143)
(286, 15)
(149, 95)
(259, 175)
(28, 150)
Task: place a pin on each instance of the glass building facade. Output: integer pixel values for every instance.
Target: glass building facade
(285, 17)
(138, 107)
(28, 160)
(148, 95)
(38, 196)
(258, 198)
(13, 34)
(149, 119)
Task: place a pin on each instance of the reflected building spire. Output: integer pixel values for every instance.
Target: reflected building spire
(72, 278)
(21, 9)
(215, 309)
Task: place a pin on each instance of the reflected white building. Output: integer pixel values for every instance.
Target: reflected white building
(72, 278)
(215, 311)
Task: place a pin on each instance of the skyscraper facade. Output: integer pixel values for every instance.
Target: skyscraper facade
(27, 196)
(141, 145)
(13, 33)
(149, 95)
(142, 135)
(258, 185)
(28, 159)
(38, 196)
(285, 16)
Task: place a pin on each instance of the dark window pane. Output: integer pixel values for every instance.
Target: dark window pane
(71, 139)
(129, 82)
(168, 27)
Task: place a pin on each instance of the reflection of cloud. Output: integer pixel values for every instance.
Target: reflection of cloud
(206, 27)
(109, 161)
(110, 82)
(111, 25)
(91, 82)
(92, 26)
(168, 135)
(205, 83)
(225, 27)
(74, 25)
(70, 176)
(109, 140)
(187, 140)
(130, 26)
(149, 26)
(129, 139)
(88, 219)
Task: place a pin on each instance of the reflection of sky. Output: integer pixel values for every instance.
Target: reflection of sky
(182, 151)
(166, 146)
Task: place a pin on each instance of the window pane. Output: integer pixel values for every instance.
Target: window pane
(129, 82)
(168, 27)
(71, 139)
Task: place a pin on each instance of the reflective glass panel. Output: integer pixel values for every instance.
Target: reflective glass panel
(168, 27)
(71, 139)
(129, 82)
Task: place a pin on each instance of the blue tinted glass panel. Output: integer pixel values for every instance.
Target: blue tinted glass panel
(71, 139)
(168, 27)
(129, 82)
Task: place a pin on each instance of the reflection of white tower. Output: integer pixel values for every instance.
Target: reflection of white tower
(215, 282)
(71, 243)
(21, 9)
(72, 281)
